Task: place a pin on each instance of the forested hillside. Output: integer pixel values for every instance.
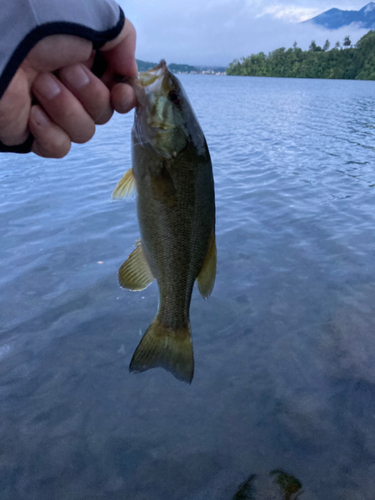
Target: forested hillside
(344, 62)
(175, 68)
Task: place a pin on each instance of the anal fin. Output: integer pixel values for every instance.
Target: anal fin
(135, 273)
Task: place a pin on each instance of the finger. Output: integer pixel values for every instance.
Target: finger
(123, 98)
(120, 52)
(14, 111)
(63, 108)
(50, 141)
(89, 90)
(56, 51)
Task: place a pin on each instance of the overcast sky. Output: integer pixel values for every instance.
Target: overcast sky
(215, 32)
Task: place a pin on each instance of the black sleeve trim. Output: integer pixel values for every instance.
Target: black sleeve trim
(98, 38)
(22, 148)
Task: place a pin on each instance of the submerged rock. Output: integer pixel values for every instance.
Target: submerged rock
(277, 485)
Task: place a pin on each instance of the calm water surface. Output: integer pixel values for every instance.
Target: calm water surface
(284, 348)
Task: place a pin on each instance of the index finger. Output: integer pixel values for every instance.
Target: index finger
(56, 51)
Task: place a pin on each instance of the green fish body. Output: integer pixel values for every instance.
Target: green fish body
(172, 173)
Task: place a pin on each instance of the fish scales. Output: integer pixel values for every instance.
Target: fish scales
(175, 237)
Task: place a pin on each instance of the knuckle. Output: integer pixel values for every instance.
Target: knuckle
(83, 133)
(89, 91)
(13, 117)
(56, 51)
(102, 101)
(8, 112)
(14, 109)
(98, 101)
(61, 147)
(13, 139)
(75, 121)
(53, 149)
(52, 142)
(104, 117)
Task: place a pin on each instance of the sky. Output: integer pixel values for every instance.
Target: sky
(215, 32)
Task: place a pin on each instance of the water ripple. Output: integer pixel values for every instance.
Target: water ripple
(284, 347)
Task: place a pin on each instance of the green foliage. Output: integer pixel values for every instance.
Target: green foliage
(144, 65)
(313, 46)
(181, 68)
(176, 68)
(349, 63)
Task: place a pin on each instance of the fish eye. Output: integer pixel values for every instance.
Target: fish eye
(174, 97)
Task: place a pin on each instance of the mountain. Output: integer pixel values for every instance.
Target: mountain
(335, 18)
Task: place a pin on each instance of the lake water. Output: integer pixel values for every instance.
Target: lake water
(284, 348)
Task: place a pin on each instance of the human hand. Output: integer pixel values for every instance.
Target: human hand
(70, 98)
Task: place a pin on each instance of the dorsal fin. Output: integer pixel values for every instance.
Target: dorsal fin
(206, 277)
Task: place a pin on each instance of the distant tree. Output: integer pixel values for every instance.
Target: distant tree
(314, 47)
(294, 45)
(326, 46)
(356, 63)
(347, 42)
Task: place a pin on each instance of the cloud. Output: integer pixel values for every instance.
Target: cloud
(290, 13)
(217, 31)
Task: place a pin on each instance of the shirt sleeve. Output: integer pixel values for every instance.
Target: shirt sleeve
(23, 23)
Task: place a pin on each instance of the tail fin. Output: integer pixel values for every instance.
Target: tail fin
(170, 349)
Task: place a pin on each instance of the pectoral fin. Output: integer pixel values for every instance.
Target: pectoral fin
(135, 273)
(206, 277)
(125, 186)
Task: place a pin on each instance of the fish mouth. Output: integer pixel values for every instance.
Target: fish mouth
(156, 72)
(147, 82)
(151, 80)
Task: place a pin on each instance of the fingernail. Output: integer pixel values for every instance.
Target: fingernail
(47, 86)
(40, 117)
(76, 76)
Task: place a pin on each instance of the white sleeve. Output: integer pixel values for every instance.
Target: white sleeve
(23, 23)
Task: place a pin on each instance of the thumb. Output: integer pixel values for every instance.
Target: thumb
(120, 52)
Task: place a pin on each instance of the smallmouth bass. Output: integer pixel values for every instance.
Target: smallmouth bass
(172, 174)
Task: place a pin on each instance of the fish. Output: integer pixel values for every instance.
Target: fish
(172, 175)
